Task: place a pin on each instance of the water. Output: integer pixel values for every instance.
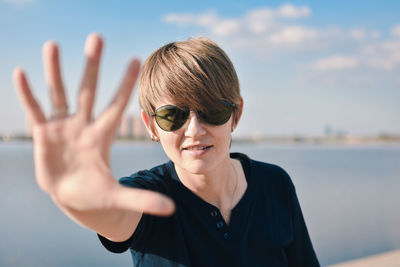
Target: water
(349, 197)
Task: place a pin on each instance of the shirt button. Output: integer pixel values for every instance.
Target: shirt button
(214, 213)
(220, 224)
(226, 235)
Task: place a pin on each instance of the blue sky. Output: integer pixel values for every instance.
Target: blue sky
(303, 65)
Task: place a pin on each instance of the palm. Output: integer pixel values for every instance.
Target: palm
(65, 154)
(71, 151)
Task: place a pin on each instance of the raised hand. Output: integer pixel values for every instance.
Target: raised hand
(71, 151)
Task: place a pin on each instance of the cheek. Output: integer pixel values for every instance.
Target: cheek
(170, 144)
(224, 137)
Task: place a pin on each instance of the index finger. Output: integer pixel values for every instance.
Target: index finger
(111, 116)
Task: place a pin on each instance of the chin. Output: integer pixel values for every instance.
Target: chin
(198, 166)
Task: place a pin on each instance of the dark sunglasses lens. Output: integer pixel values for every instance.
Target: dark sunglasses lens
(170, 118)
(216, 116)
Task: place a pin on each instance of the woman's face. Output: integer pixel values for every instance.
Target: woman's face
(196, 147)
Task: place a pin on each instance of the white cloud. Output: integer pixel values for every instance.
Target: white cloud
(384, 56)
(336, 62)
(267, 32)
(292, 35)
(290, 11)
(263, 23)
(180, 19)
(396, 31)
(209, 19)
(375, 34)
(358, 34)
(258, 21)
(205, 20)
(261, 14)
(226, 27)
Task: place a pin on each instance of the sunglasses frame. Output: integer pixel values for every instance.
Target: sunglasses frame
(186, 113)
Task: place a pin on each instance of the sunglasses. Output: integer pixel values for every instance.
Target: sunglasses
(171, 118)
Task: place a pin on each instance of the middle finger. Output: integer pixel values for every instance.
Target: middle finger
(93, 49)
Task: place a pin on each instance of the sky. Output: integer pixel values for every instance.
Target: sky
(303, 66)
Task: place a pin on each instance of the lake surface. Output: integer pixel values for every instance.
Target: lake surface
(349, 196)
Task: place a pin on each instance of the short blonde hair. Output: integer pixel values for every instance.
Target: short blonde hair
(195, 73)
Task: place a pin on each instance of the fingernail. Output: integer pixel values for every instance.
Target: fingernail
(93, 45)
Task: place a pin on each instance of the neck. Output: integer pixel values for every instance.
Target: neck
(215, 187)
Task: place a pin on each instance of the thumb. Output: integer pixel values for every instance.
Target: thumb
(144, 201)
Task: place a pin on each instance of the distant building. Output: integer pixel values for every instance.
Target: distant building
(126, 127)
(132, 127)
(139, 130)
(328, 131)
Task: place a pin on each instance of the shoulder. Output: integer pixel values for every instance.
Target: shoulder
(155, 178)
(271, 172)
(267, 174)
(272, 183)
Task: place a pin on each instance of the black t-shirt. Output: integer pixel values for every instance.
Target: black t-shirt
(266, 227)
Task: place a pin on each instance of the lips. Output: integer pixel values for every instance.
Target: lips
(196, 148)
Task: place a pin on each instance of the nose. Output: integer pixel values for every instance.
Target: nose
(194, 127)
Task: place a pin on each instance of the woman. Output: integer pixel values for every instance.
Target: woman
(206, 207)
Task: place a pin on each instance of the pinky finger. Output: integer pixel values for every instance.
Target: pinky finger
(31, 106)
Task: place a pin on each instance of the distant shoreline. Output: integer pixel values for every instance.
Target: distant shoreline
(390, 258)
(290, 140)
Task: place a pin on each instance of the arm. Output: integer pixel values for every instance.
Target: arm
(71, 152)
(300, 252)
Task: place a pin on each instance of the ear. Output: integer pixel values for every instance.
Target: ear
(238, 114)
(148, 123)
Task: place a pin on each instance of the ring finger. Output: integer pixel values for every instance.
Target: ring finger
(52, 72)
